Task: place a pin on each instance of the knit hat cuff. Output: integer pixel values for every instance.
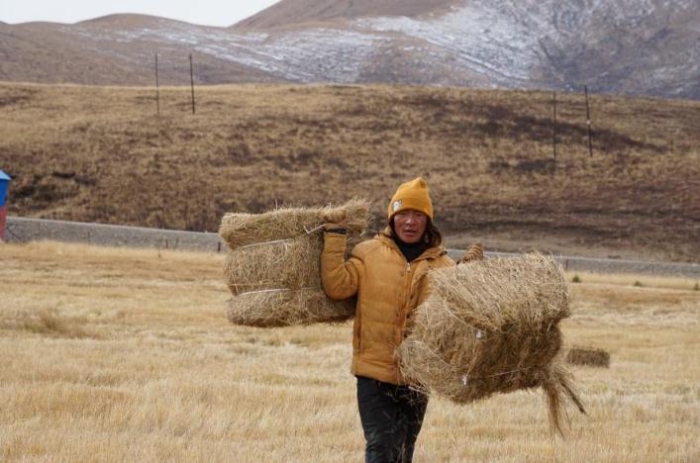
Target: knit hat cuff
(410, 202)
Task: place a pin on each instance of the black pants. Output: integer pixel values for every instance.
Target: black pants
(391, 419)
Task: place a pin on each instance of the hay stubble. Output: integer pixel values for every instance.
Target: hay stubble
(164, 376)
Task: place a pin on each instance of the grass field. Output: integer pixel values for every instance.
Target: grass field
(116, 355)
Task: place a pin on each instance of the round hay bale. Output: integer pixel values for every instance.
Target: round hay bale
(588, 356)
(490, 327)
(278, 282)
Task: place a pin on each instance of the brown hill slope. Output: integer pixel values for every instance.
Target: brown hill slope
(103, 155)
(115, 50)
(294, 12)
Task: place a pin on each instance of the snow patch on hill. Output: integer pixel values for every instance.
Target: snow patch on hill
(623, 46)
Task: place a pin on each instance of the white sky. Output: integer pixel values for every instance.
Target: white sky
(203, 12)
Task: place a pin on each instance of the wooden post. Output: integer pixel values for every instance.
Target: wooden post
(588, 123)
(192, 82)
(554, 128)
(157, 88)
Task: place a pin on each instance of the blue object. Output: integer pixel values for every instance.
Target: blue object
(4, 185)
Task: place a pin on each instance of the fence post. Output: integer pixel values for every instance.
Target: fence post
(554, 128)
(192, 81)
(157, 89)
(588, 123)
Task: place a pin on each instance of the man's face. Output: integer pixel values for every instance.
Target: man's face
(410, 225)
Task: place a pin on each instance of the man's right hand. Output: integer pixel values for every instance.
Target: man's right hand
(336, 219)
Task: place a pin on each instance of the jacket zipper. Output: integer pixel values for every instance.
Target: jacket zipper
(407, 286)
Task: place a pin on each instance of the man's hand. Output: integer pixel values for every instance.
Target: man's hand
(336, 220)
(475, 252)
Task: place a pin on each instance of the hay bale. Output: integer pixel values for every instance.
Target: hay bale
(491, 327)
(274, 265)
(287, 308)
(588, 356)
(284, 223)
(273, 270)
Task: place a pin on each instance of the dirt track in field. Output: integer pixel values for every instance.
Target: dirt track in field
(24, 230)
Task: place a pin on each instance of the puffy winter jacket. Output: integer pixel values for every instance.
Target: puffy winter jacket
(388, 290)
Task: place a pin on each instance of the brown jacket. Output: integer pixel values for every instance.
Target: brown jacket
(388, 289)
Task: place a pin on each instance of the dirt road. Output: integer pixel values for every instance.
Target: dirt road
(25, 230)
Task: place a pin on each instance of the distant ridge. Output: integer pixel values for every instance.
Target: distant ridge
(134, 20)
(611, 46)
(293, 12)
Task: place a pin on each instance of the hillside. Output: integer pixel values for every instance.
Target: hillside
(289, 13)
(649, 48)
(102, 154)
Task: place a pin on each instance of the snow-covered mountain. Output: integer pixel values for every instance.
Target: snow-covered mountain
(641, 47)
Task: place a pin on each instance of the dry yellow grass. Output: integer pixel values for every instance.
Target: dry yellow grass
(116, 355)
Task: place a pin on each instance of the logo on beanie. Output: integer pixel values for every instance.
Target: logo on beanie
(397, 205)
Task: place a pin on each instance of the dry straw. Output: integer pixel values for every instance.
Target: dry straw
(588, 356)
(273, 269)
(285, 223)
(491, 326)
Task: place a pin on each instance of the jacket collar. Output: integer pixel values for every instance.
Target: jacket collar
(430, 253)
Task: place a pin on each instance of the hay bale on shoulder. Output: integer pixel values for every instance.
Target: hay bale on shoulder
(282, 264)
(285, 308)
(274, 268)
(284, 223)
(588, 356)
(491, 327)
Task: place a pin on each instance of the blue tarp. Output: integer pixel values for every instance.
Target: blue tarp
(4, 184)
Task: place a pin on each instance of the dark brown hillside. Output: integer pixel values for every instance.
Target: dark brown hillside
(101, 154)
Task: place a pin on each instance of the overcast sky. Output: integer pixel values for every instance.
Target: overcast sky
(204, 12)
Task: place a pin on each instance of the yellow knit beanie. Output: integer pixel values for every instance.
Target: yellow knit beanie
(412, 195)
